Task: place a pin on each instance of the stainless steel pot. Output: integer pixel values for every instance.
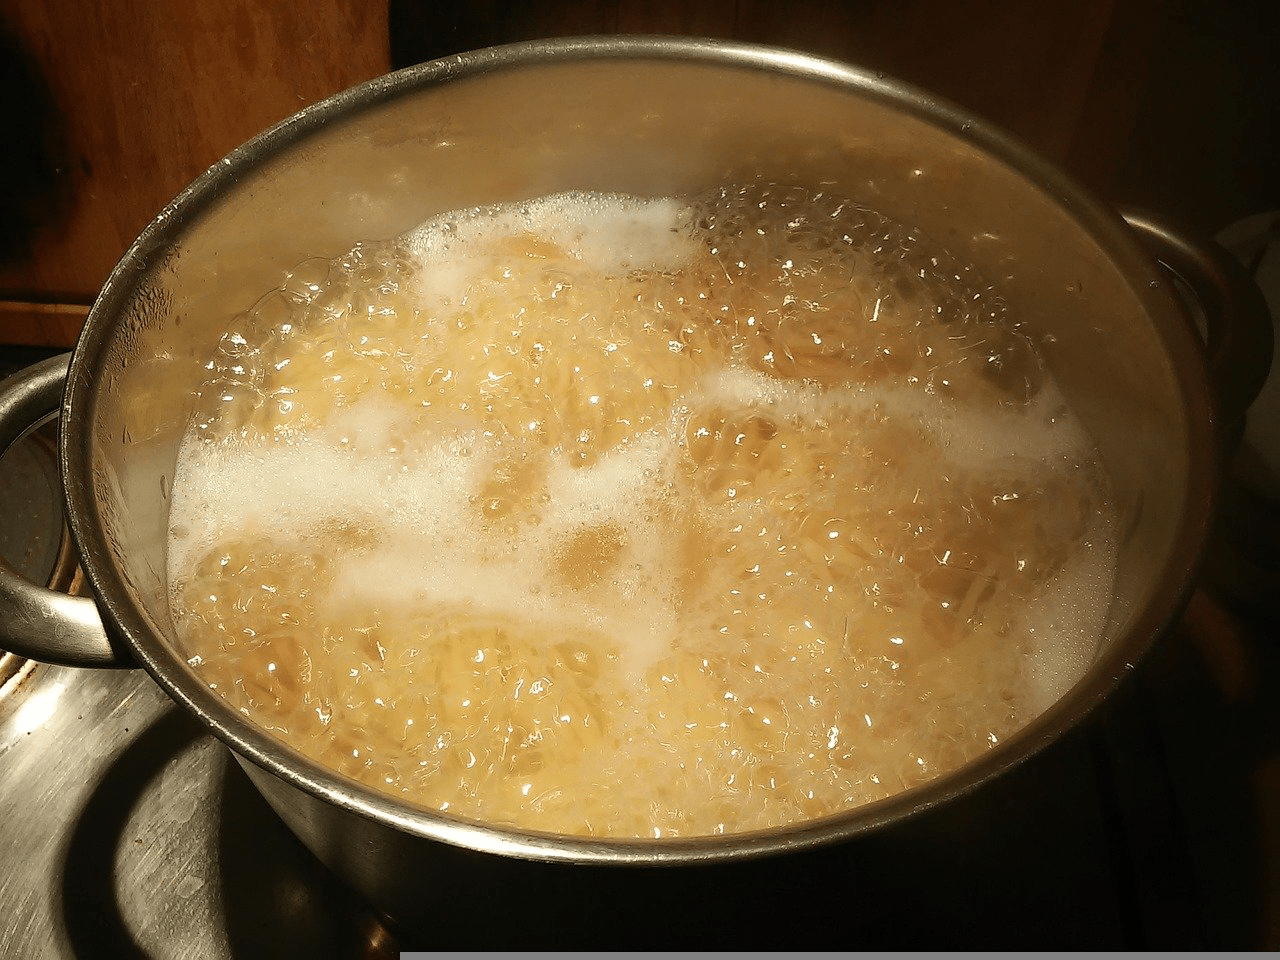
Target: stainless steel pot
(652, 117)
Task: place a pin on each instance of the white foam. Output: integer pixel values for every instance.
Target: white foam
(431, 544)
(1067, 619)
(1043, 431)
(289, 491)
(608, 233)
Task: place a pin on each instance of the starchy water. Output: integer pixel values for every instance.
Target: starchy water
(639, 517)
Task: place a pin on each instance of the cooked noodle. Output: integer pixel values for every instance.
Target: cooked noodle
(626, 517)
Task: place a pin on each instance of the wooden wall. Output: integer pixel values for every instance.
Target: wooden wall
(1063, 76)
(117, 104)
(130, 100)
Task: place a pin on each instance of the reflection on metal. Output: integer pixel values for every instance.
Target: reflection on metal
(46, 625)
(30, 712)
(33, 539)
(31, 495)
(125, 830)
(13, 671)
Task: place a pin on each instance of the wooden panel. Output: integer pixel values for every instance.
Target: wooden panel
(41, 324)
(147, 95)
(1025, 66)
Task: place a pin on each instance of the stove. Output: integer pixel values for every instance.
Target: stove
(127, 830)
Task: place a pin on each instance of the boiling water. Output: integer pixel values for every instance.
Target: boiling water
(613, 516)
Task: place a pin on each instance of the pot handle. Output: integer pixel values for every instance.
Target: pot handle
(36, 622)
(1237, 323)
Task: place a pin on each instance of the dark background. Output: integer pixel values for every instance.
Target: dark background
(1168, 104)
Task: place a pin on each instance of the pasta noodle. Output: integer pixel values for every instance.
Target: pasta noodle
(639, 517)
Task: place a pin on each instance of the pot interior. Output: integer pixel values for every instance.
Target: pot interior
(652, 118)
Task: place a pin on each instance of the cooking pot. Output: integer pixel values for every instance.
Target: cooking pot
(653, 117)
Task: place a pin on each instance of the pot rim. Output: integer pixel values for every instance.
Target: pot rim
(126, 620)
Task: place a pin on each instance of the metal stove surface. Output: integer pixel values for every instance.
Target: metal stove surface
(125, 830)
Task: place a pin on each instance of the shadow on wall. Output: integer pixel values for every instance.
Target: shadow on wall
(35, 191)
(1172, 105)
